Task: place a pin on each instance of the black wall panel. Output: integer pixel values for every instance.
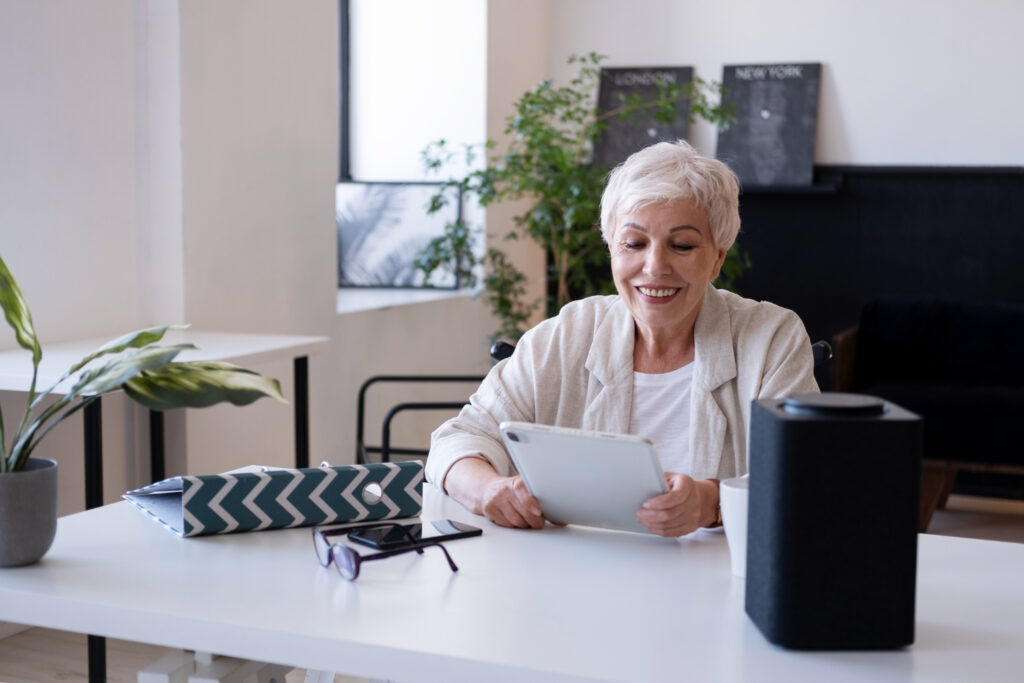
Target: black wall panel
(862, 232)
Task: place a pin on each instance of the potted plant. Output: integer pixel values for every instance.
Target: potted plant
(548, 160)
(146, 371)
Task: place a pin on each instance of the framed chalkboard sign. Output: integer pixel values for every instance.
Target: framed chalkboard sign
(771, 143)
(625, 136)
(382, 229)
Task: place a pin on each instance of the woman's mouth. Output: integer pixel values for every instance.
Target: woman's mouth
(658, 292)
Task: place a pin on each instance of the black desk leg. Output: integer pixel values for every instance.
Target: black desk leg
(93, 455)
(93, 415)
(97, 659)
(302, 411)
(156, 446)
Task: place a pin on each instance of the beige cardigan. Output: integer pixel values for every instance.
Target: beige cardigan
(576, 370)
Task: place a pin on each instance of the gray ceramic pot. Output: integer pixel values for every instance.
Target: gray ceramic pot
(28, 512)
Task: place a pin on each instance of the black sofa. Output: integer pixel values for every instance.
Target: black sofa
(957, 364)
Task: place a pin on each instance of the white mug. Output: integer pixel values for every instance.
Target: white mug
(733, 496)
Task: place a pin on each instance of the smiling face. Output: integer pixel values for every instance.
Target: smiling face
(663, 256)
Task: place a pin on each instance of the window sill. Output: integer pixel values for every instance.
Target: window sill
(368, 298)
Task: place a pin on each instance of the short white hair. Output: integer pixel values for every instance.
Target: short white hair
(669, 171)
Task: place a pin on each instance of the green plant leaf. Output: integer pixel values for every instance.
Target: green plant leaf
(198, 384)
(19, 317)
(116, 372)
(132, 340)
(17, 313)
(93, 383)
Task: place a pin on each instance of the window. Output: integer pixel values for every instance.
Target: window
(411, 73)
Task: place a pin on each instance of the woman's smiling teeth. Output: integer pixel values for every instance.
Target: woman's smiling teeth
(657, 293)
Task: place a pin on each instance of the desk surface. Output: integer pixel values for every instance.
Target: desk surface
(238, 348)
(557, 604)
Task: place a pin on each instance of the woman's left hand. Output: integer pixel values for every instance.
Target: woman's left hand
(688, 505)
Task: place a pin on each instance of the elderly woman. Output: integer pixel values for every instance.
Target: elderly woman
(669, 358)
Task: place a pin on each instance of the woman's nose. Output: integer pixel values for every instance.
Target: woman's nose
(656, 262)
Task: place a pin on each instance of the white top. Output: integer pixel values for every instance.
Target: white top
(661, 413)
(559, 604)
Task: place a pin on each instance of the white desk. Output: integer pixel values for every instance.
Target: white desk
(560, 604)
(241, 349)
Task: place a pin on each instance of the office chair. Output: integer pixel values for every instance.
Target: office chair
(385, 449)
(499, 351)
(822, 352)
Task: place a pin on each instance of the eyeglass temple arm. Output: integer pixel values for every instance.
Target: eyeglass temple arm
(418, 548)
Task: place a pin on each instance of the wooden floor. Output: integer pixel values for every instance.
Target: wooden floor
(45, 656)
(38, 655)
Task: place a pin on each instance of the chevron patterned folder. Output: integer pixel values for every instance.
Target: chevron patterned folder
(255, 499)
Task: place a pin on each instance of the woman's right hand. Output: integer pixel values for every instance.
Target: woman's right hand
(503, 500)
(507, 502)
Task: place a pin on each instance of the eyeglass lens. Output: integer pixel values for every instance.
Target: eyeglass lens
(346, 561)
(323, 550)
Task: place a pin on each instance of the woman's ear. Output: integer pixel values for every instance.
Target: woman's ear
(719, 260)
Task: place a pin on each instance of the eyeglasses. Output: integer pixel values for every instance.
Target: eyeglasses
(348, 562)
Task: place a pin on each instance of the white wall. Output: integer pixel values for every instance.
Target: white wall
(160, 263)
(259, 130)
(67, 162)
(518, 58)
(910, 82)
(259, 134)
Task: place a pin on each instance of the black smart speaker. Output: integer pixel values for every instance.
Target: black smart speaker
(832, 526)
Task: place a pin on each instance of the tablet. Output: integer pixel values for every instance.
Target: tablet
(585, 477)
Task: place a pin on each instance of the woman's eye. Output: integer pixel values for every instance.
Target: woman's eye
(683, 247)
(633, 245)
